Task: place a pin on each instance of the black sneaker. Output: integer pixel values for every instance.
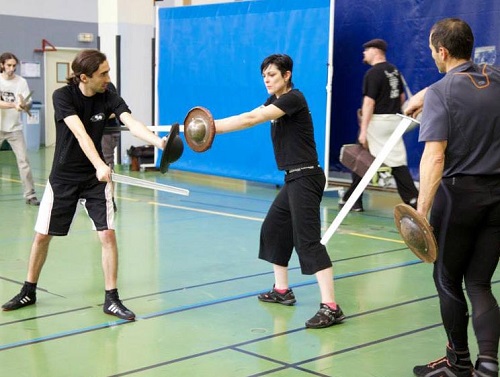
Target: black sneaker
(460, 366)
(113, 305)
(357, 207)
(325, 317)
(287, 298)
(24, 298)
(486, 367)
(32, 201)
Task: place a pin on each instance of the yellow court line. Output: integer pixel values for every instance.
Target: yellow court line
(257, 219)
(10, 180)
(127, 198)
(229, 215)
(19, 181)
(376, 238)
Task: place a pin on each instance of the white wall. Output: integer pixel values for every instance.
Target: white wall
(68, 10)
(133, 20)
(177, 3)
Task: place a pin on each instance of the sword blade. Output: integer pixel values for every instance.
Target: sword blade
(401, 128)
(127, 180)
(25, 100)
(28, 97)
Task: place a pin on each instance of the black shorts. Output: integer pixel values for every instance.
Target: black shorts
(60, 201)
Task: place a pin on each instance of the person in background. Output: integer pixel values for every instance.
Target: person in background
(460, 187)
(293, 221)
(110, 140)
(80, 175)
(13, 92)
(383, 96)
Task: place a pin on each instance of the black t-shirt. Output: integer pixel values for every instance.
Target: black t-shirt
(383, 83)
(293, 133)
(70, 162)
(113, 122)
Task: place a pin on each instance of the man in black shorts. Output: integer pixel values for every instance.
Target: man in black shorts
(79, 174)
(460, 186)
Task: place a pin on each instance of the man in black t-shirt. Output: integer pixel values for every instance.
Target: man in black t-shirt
(383, 96)
(110, 139)
(80, 175)
(111, 135)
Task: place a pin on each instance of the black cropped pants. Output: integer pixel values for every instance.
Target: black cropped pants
(293, 221)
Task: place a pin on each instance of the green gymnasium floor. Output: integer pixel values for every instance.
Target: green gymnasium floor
(189, 270)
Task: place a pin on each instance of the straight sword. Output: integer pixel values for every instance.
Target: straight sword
(127, 180)
(401, 128)
(25, 101)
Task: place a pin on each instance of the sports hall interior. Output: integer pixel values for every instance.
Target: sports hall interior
(188, 265)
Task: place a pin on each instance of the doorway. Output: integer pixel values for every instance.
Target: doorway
(57, 68)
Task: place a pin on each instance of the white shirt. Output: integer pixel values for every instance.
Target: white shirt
(9, 90)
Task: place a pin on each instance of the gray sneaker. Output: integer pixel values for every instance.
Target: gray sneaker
(32, 201)
(287, 298)
(486, 367)
(325, 317)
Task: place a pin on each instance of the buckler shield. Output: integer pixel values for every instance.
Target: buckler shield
(173, 148)
(416, 232)
(199, 129)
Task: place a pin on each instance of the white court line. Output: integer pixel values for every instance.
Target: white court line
(225, 214)
(209, 212)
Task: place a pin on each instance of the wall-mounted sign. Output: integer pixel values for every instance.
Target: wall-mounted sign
(30, 69)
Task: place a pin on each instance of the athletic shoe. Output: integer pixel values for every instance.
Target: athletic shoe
(24, 298)
(454, 364)
(486, 367)
(384, 178)
(114, 306)
(33, 201)
(325, 317)
(287, 298)
(357, 207)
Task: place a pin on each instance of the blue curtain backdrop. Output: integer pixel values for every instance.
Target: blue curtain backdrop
(210, 56)
(405, 25)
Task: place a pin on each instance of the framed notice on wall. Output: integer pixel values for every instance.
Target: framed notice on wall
(62, 71)
(30, 69)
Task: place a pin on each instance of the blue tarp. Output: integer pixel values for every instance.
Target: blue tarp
(210, 56)
(405, 25)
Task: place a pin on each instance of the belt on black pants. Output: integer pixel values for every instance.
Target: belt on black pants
(301, 168)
